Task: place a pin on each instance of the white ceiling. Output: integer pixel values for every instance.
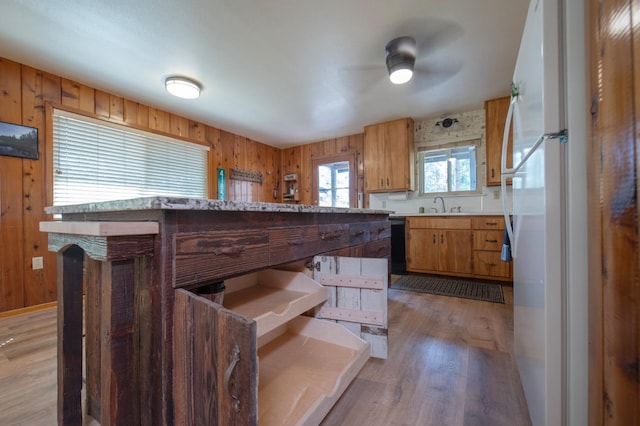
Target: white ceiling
(282, 72)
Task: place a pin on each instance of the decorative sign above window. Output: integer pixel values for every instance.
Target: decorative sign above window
(18, 141)
(245, 175)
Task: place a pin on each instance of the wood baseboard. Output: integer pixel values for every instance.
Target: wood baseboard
(28, 309)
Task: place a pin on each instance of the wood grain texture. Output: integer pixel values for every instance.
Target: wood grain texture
(615, 286)
(450, 363)
(26, 97)
(450, 360)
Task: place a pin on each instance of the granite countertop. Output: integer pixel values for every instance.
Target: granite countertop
(169, 203)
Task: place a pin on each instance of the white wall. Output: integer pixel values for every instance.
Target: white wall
(471, 127)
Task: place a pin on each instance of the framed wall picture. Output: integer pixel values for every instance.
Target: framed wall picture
(18, 141)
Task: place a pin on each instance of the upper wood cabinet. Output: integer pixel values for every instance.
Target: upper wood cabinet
(495, 116)
(388, 156)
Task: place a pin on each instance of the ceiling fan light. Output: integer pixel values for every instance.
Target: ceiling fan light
(401, 57)
(400, 75)
(182, 87)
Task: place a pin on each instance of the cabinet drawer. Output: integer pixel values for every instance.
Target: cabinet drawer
(290, 243)
(488, 263)
(379, 248)
(304, 368)
(272, 297)
(488, 240)
(359, 233)
(379, 230)
(441, 222)
(204, 256)
(488, 222)
(332, 237)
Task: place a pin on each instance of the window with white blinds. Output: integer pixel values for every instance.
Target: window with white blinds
(95, 160)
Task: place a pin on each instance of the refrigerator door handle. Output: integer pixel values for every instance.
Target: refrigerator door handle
(507, 173)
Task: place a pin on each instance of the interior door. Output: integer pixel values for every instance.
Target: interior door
(215, 378)
(356, 297)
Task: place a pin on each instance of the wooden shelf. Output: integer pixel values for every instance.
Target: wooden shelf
(304, 367)
(272, 297)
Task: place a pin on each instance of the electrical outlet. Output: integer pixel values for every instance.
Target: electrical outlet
(384, 204)
(496, 195)
(37, 262)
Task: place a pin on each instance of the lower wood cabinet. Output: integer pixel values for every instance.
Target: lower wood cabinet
(467, 246)
(439, 245)
(256, 359)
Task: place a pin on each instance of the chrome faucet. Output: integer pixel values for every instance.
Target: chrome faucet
(444, 210)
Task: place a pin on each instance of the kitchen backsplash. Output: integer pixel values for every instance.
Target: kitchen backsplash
(471, 126)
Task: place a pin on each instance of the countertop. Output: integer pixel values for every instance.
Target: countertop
(169, 203)
(448, 214)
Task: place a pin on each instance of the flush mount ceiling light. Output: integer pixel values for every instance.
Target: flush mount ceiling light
(447, 123)
(401, 57)
(182, 87)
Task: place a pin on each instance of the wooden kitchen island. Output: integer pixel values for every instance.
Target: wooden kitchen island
(158, 351)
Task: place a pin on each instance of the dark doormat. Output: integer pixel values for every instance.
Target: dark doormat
(455, 287)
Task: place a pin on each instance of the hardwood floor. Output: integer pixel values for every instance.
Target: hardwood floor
(450, 363)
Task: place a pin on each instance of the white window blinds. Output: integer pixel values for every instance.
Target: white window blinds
(100, 161)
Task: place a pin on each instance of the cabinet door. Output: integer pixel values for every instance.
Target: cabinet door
(495, 116)
(455, 251)
(422, 249)
(399, 167)
(215, 379)
(356, 297)
(374, 158)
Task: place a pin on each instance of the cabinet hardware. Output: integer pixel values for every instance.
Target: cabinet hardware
(434, 238)
(491, 241)
(441, 238)
(229, 251)
(235, 357)
(326, 236)
(491, 223)
(296, 242)
(358, 233)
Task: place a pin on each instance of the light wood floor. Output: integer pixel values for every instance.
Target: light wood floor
(450, 363)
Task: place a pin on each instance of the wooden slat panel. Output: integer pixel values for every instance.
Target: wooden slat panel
(39, 284)
(353, 281)
(352, 315)
(103, 104)
(238, 400)
(116, 108)
(11, 195)
(616, 136)
(102, 229)
(70, 264)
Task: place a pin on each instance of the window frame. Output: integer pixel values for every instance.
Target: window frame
(351, 159)
(476, 143)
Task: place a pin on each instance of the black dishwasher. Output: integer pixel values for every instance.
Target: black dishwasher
(398, 251)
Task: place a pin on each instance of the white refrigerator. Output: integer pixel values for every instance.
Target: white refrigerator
(548, 249)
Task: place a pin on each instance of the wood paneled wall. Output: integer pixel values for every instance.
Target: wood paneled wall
(299, 159)
(614, 273)
(26, 186)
